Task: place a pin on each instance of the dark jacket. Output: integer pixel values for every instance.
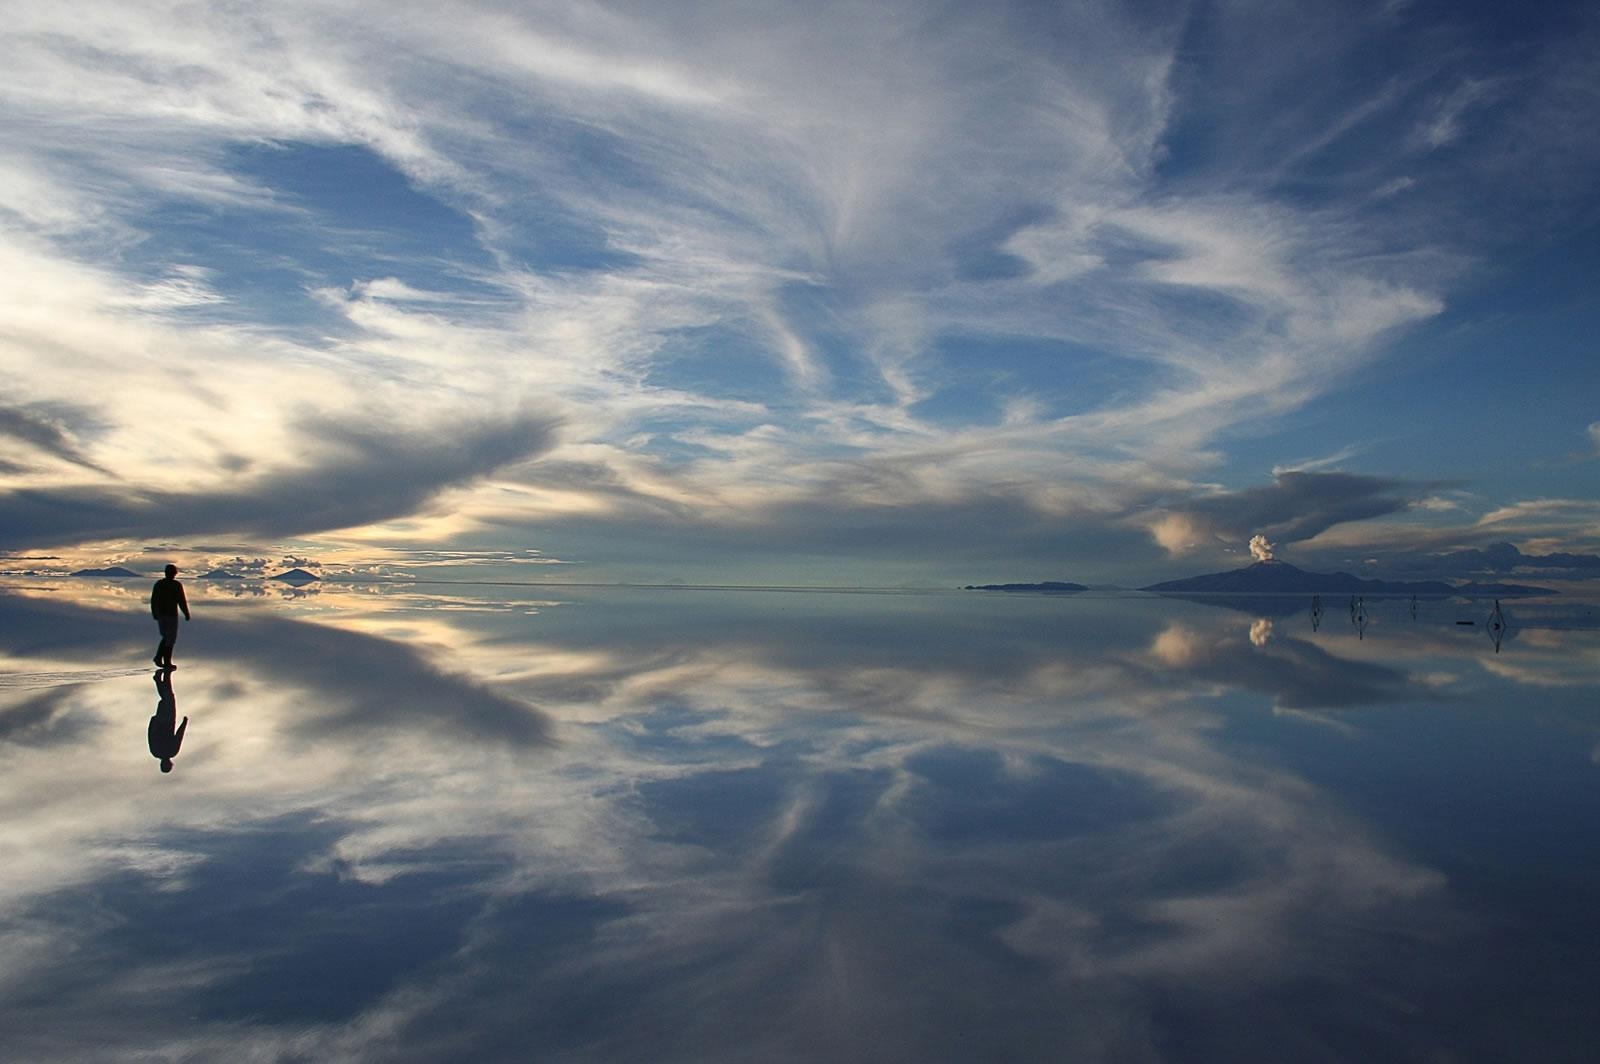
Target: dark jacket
(167, 598)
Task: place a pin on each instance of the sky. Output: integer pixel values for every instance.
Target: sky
(841, 293)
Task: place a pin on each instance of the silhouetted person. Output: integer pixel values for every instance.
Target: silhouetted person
(166, 599)
(166, 734)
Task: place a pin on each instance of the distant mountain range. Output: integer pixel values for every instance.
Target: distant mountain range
(1281, 578)
(115, 570)
(297, 576)
(1476, 590)
(1048, 585)
(1275, 577)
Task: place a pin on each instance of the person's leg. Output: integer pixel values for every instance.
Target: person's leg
(169, 636)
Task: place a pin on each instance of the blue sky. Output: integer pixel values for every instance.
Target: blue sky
(854, 293)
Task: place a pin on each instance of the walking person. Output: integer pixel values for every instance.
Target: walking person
(166, 599)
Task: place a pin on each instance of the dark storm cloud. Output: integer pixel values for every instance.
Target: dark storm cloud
(1497, 558)
(1299, 505)
(39, 429)
(358, 473)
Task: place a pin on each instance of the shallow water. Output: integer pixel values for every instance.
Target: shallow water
(454, 822)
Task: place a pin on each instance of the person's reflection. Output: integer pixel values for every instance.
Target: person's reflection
(166, 734)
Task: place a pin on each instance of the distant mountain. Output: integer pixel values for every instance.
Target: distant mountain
(219, 574)
(1048, 585)
(1503, 590)
(1275, 577)
(115, 570)
(297, 577)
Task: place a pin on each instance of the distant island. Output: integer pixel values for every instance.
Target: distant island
(115, 570)
(297, 576)
(1275, 577)
(1048, 585)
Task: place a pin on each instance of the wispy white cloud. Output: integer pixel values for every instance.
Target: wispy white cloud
(1310, 465)
(184, 286)
(1444, 125)
(1532, 511)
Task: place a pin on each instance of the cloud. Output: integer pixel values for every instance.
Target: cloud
(1308, 465)
(43, 428)
(185, 286)
(1444, 125)
(1393, 187)
(1562, 529)
(1497, 559)
(355, 473)
(1540, 514)
(1295, 507)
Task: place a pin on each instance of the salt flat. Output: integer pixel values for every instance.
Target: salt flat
(410, 823)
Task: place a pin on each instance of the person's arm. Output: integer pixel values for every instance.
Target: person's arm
(153, 591)
(177, 737)
(183, 603)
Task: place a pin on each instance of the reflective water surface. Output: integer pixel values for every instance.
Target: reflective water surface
(480, 823)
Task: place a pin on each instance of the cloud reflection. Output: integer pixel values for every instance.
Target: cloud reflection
(771, 822)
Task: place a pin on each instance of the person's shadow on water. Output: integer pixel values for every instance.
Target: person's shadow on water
(166, 734)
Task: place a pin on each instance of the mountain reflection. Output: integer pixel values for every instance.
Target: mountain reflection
(690, 826)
